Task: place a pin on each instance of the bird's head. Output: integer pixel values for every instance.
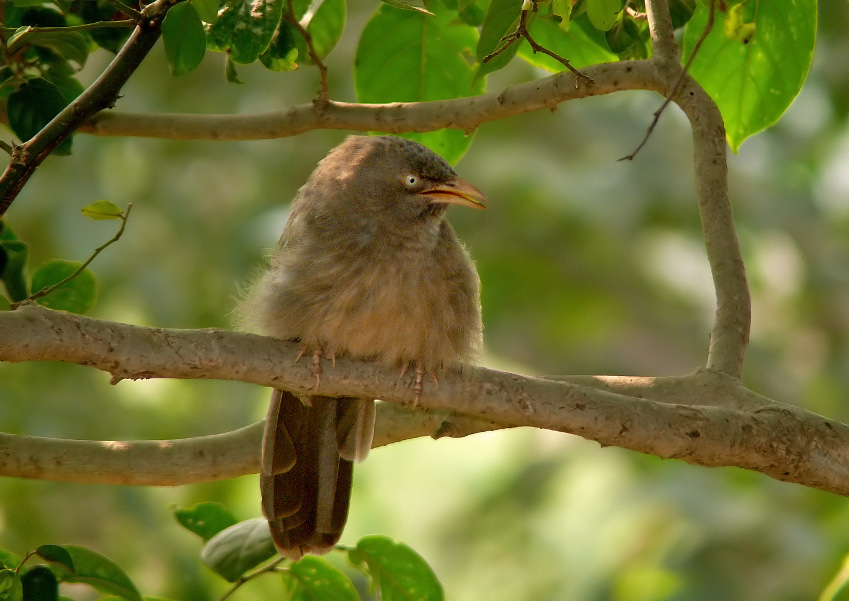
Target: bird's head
(397, 179)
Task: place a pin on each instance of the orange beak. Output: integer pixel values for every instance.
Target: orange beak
(456, 191)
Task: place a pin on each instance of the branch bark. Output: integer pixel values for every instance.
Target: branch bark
(706, 418)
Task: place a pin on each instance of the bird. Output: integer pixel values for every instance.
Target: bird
(367, 268)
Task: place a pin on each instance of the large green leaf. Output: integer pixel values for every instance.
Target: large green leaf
(407, 56)
(326, 26)
(312, 579)
(244, 28)
(399, 572)
(184, 38)
(753, 72)
(80, 564)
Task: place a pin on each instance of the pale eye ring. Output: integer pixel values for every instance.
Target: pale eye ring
(411, 180)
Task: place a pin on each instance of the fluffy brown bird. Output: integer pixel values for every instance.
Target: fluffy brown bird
(369, 268)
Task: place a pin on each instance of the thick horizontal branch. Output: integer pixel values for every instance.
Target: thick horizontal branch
(706, 418)
(459, 113)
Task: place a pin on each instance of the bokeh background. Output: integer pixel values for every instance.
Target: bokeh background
(589, 266)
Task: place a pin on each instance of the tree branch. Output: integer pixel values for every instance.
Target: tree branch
(706, 418)
(102, 94)
(460, 113)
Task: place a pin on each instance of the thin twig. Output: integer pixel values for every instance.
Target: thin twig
(324, 91)
(127, 10)
(522, 32)
(97, 25)
(678, 83)
(244, 579)
(49, 289)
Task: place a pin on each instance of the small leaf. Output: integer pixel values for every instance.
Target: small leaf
(230, 72)
(40, 584)
(32, 106)
(237, 549)
(184, 38)
(220, 35)
(207, 10)
(13, 274)
(397, 570)
(102, 210)
(93, 569)
(283, 50)
(205, 519)
(681, 12)
(75, 296)
(603, 13)
(416, 5)
(314, 578)
(11, 588)
(623, 35)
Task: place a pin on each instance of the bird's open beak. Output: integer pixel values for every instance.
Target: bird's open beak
(456, 191)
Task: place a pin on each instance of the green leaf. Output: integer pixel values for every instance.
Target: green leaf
(56, 554)
(563, 9)
(32, 106)
(220, 35)
(91, 568)
(753, 80)
(39, 584)
(581, 45)
(325, 27)
(75, 296)
(13, 274)
(623, 35)
(230, 72)
(406, 56)
(207, 10)
(184, 38)
(416, 5)
(502, 18)
(7, 558)
(681, 12)
(256, 23)
(603, 13)
(397, 570)
(313, 578)
(102, 210)
(284, 49)
(472, 12)
(11, 588)
(71, 45)
(237, 549)
(205, 519)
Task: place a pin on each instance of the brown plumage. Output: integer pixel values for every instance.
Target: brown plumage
(367, 267)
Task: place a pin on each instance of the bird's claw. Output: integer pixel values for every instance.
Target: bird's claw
(418, 381)
(316, 362)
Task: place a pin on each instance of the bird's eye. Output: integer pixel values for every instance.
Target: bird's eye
(411, 180)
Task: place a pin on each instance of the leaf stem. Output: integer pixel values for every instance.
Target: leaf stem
(49, 289)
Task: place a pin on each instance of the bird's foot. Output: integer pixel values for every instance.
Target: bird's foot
(418, 381)
(316, 362)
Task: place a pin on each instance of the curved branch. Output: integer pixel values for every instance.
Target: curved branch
(707, 418)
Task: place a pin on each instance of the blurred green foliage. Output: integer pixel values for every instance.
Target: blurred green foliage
(588, 266)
